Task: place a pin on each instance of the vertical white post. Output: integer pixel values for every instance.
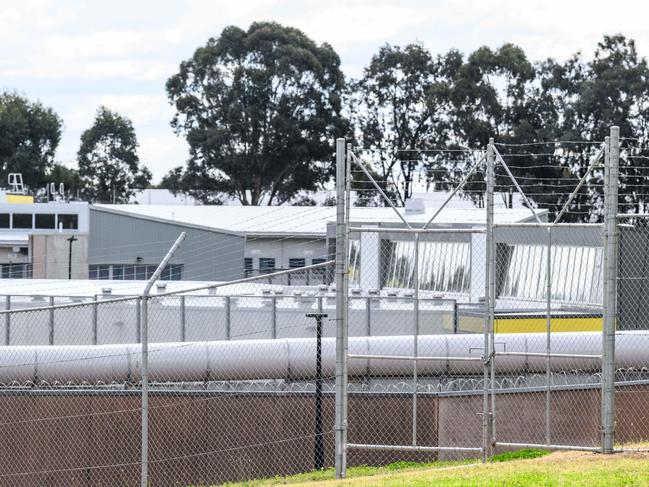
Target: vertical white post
(415, 334)
(488, 309)
(341, 304)
(144, 334)
(548, 338)
(610, 290)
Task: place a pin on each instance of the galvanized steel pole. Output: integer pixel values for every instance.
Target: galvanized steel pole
(415, 336)
(548, 338)
(610, 291)
(487, 358)
(341, 335)
(144, 335)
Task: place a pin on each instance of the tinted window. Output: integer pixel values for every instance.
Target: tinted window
(22, 220)
(294, 263)
(4, 220)
(266, 264)
(247, 263)
(45, 221)
(69, 222)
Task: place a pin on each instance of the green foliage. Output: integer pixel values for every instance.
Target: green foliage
(524, 454)
(29, 136)
(109, 166)
(260, 110)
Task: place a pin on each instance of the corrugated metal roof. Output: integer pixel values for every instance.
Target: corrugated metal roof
(301, 220)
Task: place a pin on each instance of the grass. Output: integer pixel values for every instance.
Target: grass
(522, 468)
(364, 471)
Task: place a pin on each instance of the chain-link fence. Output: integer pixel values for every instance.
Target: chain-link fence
(438, 333)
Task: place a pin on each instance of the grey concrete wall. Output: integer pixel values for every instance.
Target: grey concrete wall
(205, 319)
(205, 255)
(283, 249)
(51, 253)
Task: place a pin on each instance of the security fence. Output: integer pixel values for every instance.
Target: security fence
(436, 334)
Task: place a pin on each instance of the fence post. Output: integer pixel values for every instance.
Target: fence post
(610, 290)
(8, 321)
(548, 339)
(228, 318)
(144, 477)
(183, 319)
(273, 321)
(51, 321)
(94, 320)
(415, 345)
(487, 418)
(341, 335)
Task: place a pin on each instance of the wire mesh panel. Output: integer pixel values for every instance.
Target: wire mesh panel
(548, 326)
(70, 409)
(631, 381)
(256, 402)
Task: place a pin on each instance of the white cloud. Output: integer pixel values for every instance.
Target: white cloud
(77, 55)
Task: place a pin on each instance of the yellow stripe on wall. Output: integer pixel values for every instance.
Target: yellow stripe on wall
(538, 325)
(522, 324)
(19, 198)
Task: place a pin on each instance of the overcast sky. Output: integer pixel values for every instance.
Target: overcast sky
(76, 55)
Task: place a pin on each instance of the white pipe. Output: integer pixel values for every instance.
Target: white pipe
(294, 358)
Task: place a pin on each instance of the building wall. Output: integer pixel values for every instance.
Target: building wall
(124, 239)
(284, 249)
(51, 255)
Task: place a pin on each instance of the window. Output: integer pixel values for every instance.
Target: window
(247, 266)
(443, 266)
(140, 272)
(173, 272)
(296, 263)
(15, 271)
(118, 272)
(129, 272)
(22, 220)
(68, 222)
(266, 265)
(4, 220)
(45, 221)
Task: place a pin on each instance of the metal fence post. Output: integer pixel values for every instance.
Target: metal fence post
(228, 318)
(548, 339)
(274, 316)
(51, 322)
(95, 309)
(415, 380)
(341, 343)
(144, 476)
(487, 419)
(610, 291)
(183, 319)
(8, 321)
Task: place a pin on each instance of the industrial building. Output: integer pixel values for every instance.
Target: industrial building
(230, 242)
(42, 240)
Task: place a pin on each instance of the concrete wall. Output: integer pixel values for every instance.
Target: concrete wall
(51, 255)
(283, 249)
(93, 439)
(206, 319)
(125, 239)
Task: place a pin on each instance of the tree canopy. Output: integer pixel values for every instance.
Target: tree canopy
(109, 166)
(29, 136)
(260, 110)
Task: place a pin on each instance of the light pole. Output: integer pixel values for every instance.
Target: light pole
(70, 240)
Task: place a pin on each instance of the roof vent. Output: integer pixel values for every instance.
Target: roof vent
(106, 291)
(161, 287)
(415, 205)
